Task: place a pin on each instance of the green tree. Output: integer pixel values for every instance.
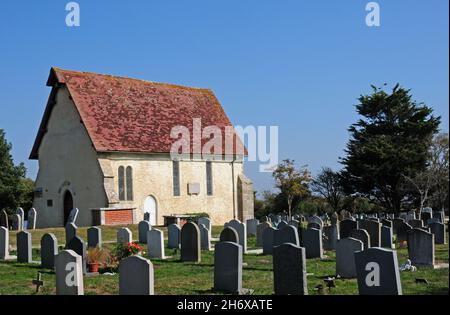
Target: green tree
(291, 182)
(328, 185)
(390, 141)
(14, 188)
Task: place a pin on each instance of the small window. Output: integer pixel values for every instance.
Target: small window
(129, 180)
(50, 203)
(209, 179)
(121, 183)
(176, 178)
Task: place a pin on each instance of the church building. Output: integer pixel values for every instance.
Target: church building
(104, 146)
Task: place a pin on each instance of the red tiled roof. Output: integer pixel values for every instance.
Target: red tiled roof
(129, 115)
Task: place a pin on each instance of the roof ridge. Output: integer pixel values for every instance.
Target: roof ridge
(133, 79)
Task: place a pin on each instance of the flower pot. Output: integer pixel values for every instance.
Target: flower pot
(93, 267)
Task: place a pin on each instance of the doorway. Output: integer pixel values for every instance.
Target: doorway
(150, 208)
(68, 205)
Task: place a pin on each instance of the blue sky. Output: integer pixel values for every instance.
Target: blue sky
(296, 64)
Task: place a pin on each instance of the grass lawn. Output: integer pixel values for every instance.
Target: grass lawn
(175, 277)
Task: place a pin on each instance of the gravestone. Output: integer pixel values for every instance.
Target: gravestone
(69, 273)
(396, 223)
(312, 241)
(425, 216)
(228, 257)
(345, 259)
(386, 222)
(155, 244)
(31, 224)
(21, 213)
(361, 235)
(124, 236)
(416, 223)
(206, 222)
(288, 234)
(136, 276)
(242, 232)
(16, 222)
(49, 249)
(402, 232)
(190, 242)
(251, 226)
(330, 237)
(4, 219)
(438, 229)
(374, 230)
(313, 225)
(4, 243)
(205, 240)
(259, 232)
(432, 220)
(334, 218)
(143, 228)
(440, 215)
(345, 227)
(295, 223)
(386, 237)
(377, 272)
(281, 225)
(79, 247)
(421, 248)
(316, 219)
(24, 247)
(71, 232)
(229, 234)
(73, 215)
(94, 237)
(173, 236)
(289, 270)
(268, 237)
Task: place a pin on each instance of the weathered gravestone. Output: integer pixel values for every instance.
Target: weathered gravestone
(206, 222)
(288, 234)
(4, 219)
(421, 248)
(313, 225)
(438, 229)
(425, 215)
(268, 236)
(330, 237)
(377, 272)
(317, 220)
(136, 276)
(281, 225)
(173, 236)
(386, 222)
(397, 223)
(259, 232)
(124, 236)
(4, 243)
(361, 235)
(69, 273)
(415, 224)
(79, 247)
(143, 228)
(345, 227)
(440, 215)
(73, 215)
(21, 213)
(24, 247)
(289, 270)
(16, 222)
(71, 232)
(94, 237)
(242, 232)
(32, 215)
(345, 260)
(155, 244)
(374, 230)
(312, 241)
(295, 223)
(251, 226)
(205, 240)
(190, 242)
(386, 237)
(49, 249)
(228, 257)
(229, 234)
(402, 231)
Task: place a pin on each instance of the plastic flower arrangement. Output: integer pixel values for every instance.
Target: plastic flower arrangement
(126, 250)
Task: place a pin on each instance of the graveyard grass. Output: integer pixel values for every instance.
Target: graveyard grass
(175, 277)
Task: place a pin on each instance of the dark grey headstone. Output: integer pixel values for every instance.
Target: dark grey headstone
(205, 239)
(313, 225)
(425, 216)
(71, 232)
(4, 219)
(312, 241)
(17, 223)
(155, 244)
(69, 273)
(73, 216)
(281, 225)
(4, 243)
(259, 232)
(94, 237)
(79, 247)
(386, 237)
(374, 230)
(124, 236)
(397, 223)
(416, 223)
(32, 215)
(268, 237)
(330, 236)
(21, 213)
(345, 260)
(377, 272)
(361, 235)
(438, 229)
(143, 228)
(317, 220)
(228, 267)
(229, 234)
(288, 234)
(242, 232)
(49, 249)
(289, 270)
(402, 231)
(173, 236)
(24, 247)
(190, 242)
(345, 227)
(421, 248)
(251, 226)
(136, 276)
(386, 222)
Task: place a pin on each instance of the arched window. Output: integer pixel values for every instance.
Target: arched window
(129, 177)
(121, 183)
